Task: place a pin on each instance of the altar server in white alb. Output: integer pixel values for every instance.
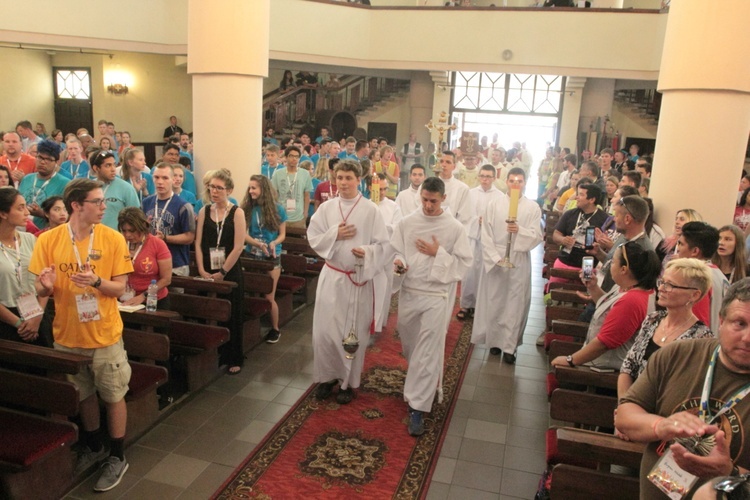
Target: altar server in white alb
(481, 195)
(408, 199)
(349, 233)
(457, 199)
(383, 281)
(432, 254)
(504, 295)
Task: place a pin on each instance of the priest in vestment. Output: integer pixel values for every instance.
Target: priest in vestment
(504, 295)
(433, 253)
(349, 233)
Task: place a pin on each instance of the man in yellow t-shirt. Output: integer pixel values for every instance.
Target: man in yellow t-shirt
(84, 265)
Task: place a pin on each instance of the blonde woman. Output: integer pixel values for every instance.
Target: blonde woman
(667, 248)
(219, 242)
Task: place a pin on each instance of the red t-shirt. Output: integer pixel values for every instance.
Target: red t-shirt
(325, 191)
(625, 318)
(146, 265)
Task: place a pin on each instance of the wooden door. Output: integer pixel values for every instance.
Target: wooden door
(73, 105)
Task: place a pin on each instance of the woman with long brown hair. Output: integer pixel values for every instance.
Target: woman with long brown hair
(730, 256)
(266, 224)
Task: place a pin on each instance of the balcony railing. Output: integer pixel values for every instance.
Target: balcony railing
(299, 105)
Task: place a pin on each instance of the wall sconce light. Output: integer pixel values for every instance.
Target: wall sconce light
(117, 89)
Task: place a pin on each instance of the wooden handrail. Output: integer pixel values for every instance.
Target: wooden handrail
(299, 104)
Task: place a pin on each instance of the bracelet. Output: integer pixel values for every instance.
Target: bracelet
(18, 323)
(653, 427)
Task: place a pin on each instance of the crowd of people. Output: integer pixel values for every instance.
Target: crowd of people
(648, 289)
(85, 220)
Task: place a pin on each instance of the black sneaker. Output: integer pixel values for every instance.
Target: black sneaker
(325, 389)
(509, 358)
(495, 351)
(345, 396)
(273, 336)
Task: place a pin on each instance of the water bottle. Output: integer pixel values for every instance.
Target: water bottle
(151, 297)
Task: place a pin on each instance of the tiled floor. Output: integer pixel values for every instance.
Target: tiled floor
(494, 447)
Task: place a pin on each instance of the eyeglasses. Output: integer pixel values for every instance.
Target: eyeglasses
(622, 203)
(214, 187)
(98, 202)
(46, 159)
(292, 156)
(668, 287)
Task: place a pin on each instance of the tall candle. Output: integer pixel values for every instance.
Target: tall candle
(375, 190)
(515, 195)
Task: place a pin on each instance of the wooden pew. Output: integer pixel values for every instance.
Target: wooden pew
(195, 286)
(297, 276)
(209, 309)
(555, 312)
(586, 455)
(293, 281)
(142, 399)
(602, 448)
(199, 347)
(584, 376)
(570, 482)
(35, 457)
(149, 321)
(44, 358)
(256, 307)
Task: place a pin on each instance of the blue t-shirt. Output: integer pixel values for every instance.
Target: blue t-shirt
(267, 170)
(346, 156)
(187, 155)
(71, 171)
(178, 218)
(315, 182)
(189, 182)
(364, 188)
(118, 195)
(188, 197)
(35, 190)
(149, 186)
(258, 231)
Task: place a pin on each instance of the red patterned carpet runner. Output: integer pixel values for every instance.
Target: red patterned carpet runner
(321, 449)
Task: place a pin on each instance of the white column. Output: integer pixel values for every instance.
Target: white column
(705, 112)
(228, 44)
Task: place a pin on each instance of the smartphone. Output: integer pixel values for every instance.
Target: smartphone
(590, 238)
(588, 268)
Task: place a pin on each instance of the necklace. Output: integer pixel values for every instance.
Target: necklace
(676, 328)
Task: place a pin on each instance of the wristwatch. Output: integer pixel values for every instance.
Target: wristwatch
(222, 271)
(569, 359)
(97, 282)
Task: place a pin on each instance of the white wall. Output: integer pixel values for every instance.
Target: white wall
(27, 88)
(596, 101)
(158, 88)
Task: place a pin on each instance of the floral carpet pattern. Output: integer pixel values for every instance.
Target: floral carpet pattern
(321, 449)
